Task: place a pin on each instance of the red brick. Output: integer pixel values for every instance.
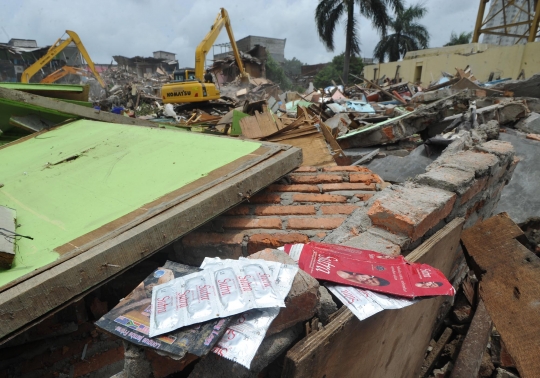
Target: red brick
(196, 239)
(285, 210)
(346, 186)
(303, 188)
(476, 188)
(306, 169)
(315, 179)
(163, 366)
(258, 242)
(366, 178)
(238, 210)
(349, 168)
(389, 132)
(534, 137)
(98, 361)
(363, 196)
(412, 210)
(251, 223)
(318, 198)
(314, 223)
(338, 209)
(265, 198)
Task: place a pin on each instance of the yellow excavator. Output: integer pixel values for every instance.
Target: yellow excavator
(54, 50)
(188, 85)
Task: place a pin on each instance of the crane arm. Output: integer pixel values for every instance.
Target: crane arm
(55, 50)
(202, 50)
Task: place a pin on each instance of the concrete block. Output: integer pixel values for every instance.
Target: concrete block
(412, 210)
(326, 306)
(503, 150)
(512, 112)
(303, 299)
(374, 243)
(480, 164)
(531, 124)
(446, 178)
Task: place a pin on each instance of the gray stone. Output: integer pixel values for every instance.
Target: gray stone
(374, 243)
(512, 112)
(531, 124)
(520, 197)
(522, 88)
(491, 129)
(327, 306)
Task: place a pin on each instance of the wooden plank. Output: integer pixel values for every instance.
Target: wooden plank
(509, 277)
(7, 236)
(30, 300)
(250, 127)
(389, 344)
(475, 343)
(433, 356)
(71, 109)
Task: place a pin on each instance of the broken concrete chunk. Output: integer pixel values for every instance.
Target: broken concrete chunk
(531, 124)
(326, 306)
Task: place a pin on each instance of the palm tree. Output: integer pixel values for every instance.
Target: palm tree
(408, 35)
(461, 39)
(329, 13)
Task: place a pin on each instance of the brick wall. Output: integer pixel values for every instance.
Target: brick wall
(348, 205)
(305, 205)
(352, 205)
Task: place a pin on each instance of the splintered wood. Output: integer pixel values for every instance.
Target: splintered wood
(318, 145)
(509, 277)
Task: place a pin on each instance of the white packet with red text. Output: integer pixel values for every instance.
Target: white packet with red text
(365, 303)
(244, 337)
(224, 288)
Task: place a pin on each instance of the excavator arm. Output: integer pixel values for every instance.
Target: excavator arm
(55, 49)
(62, 72)
(202, 50)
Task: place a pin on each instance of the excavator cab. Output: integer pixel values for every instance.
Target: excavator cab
(184, 74)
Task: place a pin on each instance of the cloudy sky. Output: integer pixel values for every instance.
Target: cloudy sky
(139, 27)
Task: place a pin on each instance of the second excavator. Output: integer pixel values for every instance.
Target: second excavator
(190, 86)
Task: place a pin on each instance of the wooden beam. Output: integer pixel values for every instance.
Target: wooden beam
(470, 356)
(389, 344)
(31, 299)
(71, 109)
(509, 285)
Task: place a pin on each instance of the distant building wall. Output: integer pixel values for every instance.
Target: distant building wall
(274, 47)
(426, 65)
(164, 55)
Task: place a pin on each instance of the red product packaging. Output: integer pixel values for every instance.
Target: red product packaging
(369, 270)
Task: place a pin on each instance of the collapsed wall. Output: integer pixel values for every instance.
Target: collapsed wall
(345, 205)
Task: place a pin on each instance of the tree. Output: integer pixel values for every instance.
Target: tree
(461, 39)
(334, 70)
(275, 72)
(408, 35)
(329, 13)
(292, 67)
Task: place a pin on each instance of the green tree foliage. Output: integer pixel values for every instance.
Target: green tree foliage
(292, 67)
(276, 73)
(334, 70)
(329, 14)
(461, 39)
(408, 35)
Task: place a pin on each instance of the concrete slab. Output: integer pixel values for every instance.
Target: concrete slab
(399, 169)
(520, 197)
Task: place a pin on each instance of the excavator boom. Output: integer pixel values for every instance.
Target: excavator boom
(54, 50)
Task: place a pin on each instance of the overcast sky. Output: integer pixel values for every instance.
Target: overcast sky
(139, 27)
